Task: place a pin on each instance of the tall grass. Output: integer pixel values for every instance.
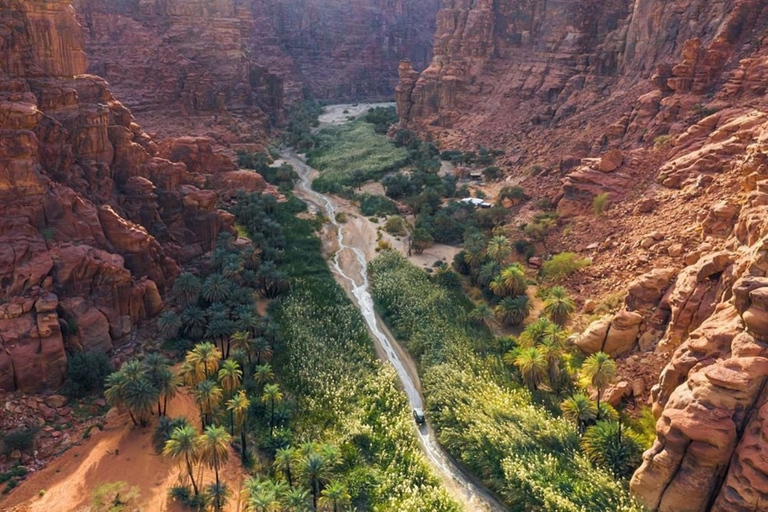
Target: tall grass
(342, 150)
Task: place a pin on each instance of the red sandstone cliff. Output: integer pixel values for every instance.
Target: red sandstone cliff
(227, 68)
(93, 215)
(585, 89)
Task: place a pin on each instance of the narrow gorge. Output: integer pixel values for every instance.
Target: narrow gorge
(534, 228)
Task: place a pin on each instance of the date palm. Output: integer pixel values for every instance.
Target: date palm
(238, 409)
(297, 500)
(140, 397)
(208, 396)
(599, 370)
(532, 366)
(241, 340)
(271, 395)
(168, 384)
(169, 324)
(216, 288)
(183, 445)
(481, 314)
(187, 288)
(580, 410)
(284, 457)
(514, 280)
(263, 373)
(262, 350)
(499, 249)
(195, 322)
(219, 494)
(315, 471)
(486, 274)
(263, 499)
(559, 306)
(213, 447)
(230, 376)
(220, 330)
(204, 360)
(606, 445)
(513, 310)
(335, 495)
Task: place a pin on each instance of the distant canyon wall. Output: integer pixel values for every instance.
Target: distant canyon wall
(228, 68)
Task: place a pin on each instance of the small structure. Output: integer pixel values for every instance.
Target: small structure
(476, 202)
(476, 175)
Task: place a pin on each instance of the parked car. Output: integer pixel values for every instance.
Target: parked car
(418, 416)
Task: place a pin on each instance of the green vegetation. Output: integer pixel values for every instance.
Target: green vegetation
(600, 203)
(86, 372)
(22, 439)
(302, 117)
(114, 497)
(563, 264)
(379, 206)
(356, 146)
(486, 415)
(299, 393)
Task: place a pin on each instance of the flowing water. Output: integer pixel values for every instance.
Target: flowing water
(475, 497)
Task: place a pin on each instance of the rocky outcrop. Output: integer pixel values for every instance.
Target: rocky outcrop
(92, 219)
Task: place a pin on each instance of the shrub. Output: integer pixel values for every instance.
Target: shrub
(600, 203)
(516, 194)
(662, 142)
(86, 372)
(379, 206)
(493, 173)
(21, 439)
(396, 226)
(341, 217)
(563, 264)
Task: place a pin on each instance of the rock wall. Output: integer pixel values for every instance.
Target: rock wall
(574, 68)
(92, 218)
(227, 68)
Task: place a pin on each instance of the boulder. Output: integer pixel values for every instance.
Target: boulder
(611, 161)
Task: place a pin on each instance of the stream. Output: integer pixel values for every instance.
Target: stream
(464, 486)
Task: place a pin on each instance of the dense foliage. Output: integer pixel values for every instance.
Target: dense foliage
(356, 146)
(481, 413)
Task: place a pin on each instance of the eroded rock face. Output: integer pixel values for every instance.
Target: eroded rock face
(230, 67)
(92, 221)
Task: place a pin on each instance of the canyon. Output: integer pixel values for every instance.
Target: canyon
(661, 106)
(228, 69)
(118, 121)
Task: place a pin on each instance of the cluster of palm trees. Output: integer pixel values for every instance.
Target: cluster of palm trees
(605, 441)
(141, 385)
(303, 476)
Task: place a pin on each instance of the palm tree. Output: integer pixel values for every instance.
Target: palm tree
(140, 396)
(219, 494)
(297, 500)
(248, 322)
(238, 409)
(271, 395)
(169, 323)
(208, 397)
(599, 370)
(183, 444)
(262, 349)
(216, 288)
(230, 376)
(315, 471)
(187, 288)
(513, 310)
(514, 279)
(168, 384)
(284, 457)
(204, 359)
(487, 272)
(605, 445)
(241, 340)
(481, 314)
(532, 366)
(580, 410)
(263, 374)
(499, 287)
(195, 322)
(534, 333)
(499, 249)
(263, 499)
(559, 306)
(213, 446)
(552, 345)
(219, 330)
(336, 495)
